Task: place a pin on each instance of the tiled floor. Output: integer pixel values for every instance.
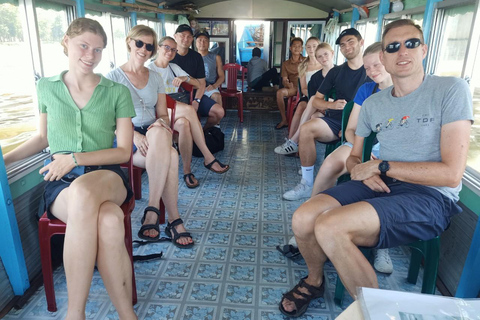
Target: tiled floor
(237, 219)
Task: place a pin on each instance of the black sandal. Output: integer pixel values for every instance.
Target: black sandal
(171, 232)
(224, 167)
(289, 251)
(189, 181)
(302, 302)
(147, 227)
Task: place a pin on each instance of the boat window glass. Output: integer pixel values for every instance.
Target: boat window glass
(18, 107)
(119, 29)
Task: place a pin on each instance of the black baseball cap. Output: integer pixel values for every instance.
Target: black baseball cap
(202, 33)
(348, 32)
(184, 27)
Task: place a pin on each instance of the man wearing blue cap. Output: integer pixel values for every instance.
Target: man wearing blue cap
(192, 62)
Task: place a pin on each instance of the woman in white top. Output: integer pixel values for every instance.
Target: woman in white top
(189, 128)
(306, 69)
(152, 137)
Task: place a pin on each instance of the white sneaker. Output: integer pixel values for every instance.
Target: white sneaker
(293, 242)
(302, 190)
(287, 147)
(382, 262)
(300, 171)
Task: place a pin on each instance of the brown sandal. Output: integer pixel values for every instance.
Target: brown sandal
(188, 178)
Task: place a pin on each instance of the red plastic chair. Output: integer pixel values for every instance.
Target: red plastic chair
(232, 70)
(137, 171)
(48, 228)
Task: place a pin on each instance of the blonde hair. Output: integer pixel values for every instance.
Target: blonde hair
(80, 26)
(373, 48)
(142, 30)
(302, 67)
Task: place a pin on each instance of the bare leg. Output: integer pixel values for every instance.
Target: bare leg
(305, 116)
(217, 97)
(159, 139)
(310, 131)
(332, 168)
(185, 143)
(296, 119)
(112, 259)
(81, 206)
(170, 195)
(303, 222)
(215, 114)
(339, 232)
(187, 111)
(281, 94)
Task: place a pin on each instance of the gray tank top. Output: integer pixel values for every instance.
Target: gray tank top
(210, 63)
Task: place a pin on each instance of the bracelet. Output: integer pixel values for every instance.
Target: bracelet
(74, 159)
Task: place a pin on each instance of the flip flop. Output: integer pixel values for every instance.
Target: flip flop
(284, 126)
(171, 232)
(146, 227)
(188, 178)
(225, 167)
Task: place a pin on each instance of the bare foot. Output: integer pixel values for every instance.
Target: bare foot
(151, 218)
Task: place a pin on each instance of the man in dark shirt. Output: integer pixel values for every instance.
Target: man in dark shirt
(192, 62)
(345, 79)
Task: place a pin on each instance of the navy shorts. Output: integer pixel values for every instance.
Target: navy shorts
(334, 124)
(205, 105)
(53, 188)
(303, 98)
(410, 212)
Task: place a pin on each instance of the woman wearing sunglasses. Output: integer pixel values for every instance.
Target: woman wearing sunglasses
(189, 131)
(152, 137)
(79, 113)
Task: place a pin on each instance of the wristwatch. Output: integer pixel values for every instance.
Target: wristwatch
(197, 99)
(384, 166)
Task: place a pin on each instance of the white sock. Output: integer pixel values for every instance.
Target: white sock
(307, 175)
(293, 142)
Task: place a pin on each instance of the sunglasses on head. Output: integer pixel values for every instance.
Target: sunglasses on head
(139, 44)
(409, 44)
(168, 48)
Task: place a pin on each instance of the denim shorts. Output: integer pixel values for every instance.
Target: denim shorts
(53, 188)
(410, 212)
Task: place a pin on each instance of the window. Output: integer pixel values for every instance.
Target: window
(339, 58)
(52, 24)
(473, 159)
(18, 116)
(170, 28)
(457, 23)
(119, 36)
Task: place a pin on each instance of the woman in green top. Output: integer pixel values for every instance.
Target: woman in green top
(79, 113)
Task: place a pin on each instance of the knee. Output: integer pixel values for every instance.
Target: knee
(306, 130)
(110, 222)
(217, 111)
(281, 93)
(157, 135)
(182, 125)
(302, 225)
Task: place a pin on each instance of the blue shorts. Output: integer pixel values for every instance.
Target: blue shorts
(410, 212)
(53, 188)
(205, 105)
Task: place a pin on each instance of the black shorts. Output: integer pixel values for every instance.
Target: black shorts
(53, 188)
(334, 124)
(205, 105)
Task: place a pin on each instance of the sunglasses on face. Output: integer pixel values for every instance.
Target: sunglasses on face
(409, 44)
(139, 44)
(168, 48)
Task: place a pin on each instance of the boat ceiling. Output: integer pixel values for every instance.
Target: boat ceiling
(324, 5)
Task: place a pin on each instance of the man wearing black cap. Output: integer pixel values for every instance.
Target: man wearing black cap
(214, 75)
(192, 62)
(345, 79)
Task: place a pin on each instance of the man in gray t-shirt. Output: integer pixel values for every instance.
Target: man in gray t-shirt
(423, 125)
